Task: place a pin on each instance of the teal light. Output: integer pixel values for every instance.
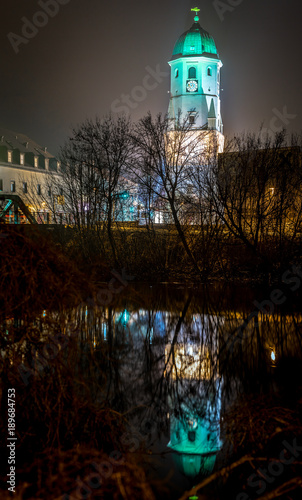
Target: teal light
(124, 317)
(196, 37)
(124, 195)
(9, 203)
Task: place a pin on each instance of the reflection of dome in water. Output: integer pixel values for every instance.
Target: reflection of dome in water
(196, 443)
(195, 437)
(192, 465)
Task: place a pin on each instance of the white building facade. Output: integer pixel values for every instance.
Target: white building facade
(26, 170)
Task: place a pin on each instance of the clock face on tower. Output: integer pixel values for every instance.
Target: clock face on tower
(192, 85)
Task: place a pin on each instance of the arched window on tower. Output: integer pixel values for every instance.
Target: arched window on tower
(192, 117)
(176, 73)
(192, 72)
(209, 71)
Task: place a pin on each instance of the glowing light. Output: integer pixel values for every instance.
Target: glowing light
(273, 356)
(196, 10)
(124, 317)
(192, 424)
(124, 195)
(190, 366)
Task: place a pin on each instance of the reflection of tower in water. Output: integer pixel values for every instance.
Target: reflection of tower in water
(195, 398)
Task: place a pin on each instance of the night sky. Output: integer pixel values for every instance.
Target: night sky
(91, 52)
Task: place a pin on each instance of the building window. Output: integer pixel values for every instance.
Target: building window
(25, 187)
(46, 163)
(1, 184)
(192, 436)
(36, 162)
(9, 156)
(192, 72)
(22, 159)
(49, 192)
(209, 72)
(176, 73)
(39, 189)
(12, 186)
(192, 116)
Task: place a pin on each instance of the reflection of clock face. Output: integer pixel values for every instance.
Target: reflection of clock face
(192, 85)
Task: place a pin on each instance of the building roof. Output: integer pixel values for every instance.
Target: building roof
(13, 140)
(212, 113)
(195, 42)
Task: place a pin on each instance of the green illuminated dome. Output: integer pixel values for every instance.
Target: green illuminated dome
(195, 42)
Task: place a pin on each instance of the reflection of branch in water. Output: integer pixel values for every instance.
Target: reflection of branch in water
(177, 330)
(291, 485)
(221, 473)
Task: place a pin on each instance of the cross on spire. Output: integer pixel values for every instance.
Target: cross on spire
(196, 10)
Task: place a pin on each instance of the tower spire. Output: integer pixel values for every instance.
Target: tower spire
(196, 10)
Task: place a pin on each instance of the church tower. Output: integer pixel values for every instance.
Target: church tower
(195, 80)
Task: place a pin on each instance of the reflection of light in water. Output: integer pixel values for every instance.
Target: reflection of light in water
(273, 356)
(124, 317)
(189, 362)
(192, 424)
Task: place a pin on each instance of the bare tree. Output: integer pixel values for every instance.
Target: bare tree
(254, 189)
(165, 151)
(93, 164)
